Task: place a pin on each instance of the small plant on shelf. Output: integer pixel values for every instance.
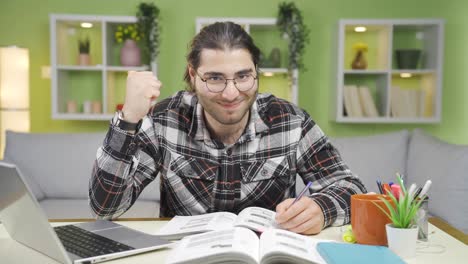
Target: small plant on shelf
(294, 29)
(148, 21)
(83, 56)
(83, 46)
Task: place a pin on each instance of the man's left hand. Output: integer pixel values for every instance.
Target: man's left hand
(303, 217)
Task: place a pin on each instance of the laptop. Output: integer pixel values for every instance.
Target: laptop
(90, 242)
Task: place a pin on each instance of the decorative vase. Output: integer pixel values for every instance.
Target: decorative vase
(359, 62)
(275, 58)
(402, 241)
(407, 58)
(130, 54)
(84, 59)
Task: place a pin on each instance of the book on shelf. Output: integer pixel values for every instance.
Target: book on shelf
(242, 245)
(255, 218)
(408, 103)
(347, 101)
(367, 102)
(351, 95)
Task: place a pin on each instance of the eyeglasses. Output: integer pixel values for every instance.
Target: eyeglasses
(217, 84)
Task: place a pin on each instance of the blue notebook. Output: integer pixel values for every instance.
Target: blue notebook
(341, 253)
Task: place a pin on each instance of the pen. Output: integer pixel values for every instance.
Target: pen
(301, 193)
(379, 186)
(417, 193)
(396, 190)
(426, 187)
(386, 189)
(412, 190)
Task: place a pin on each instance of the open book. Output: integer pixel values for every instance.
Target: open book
(255, 218)
(242, 245)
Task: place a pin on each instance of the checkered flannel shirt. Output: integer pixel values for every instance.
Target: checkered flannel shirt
(201, 175)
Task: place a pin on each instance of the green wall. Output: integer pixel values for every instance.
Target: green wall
(26, 24)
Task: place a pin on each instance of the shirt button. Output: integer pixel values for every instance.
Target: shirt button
(264, 173)
(132, 146)
(229, 152)
(227, 185)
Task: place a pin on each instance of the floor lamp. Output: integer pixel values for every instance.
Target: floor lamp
(14, 91)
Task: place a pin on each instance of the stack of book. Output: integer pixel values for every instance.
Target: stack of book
(410, 103)
(358, 102)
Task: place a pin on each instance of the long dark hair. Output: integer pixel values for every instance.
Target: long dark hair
(219, 36)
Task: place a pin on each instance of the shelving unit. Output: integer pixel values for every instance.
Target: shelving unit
(103, 81)
(411, 95)
(266, 35)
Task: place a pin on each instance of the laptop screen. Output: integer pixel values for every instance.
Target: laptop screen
(22, 216)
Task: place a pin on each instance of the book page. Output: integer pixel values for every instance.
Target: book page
(278, 245)
(180, 226)
(235, 244)
(256, 218)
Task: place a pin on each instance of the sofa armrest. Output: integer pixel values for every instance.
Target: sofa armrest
(447, 228)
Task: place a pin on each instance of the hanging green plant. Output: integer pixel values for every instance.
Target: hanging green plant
(148, 22)
(293, 28)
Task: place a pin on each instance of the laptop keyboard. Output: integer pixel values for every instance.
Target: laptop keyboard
(87, 244)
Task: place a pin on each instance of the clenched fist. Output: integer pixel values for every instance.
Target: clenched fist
(142, 89)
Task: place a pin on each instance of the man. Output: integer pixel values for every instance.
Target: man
(220, 146)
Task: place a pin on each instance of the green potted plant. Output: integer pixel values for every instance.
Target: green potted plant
(292, 27)
(402, 233)
(129, 34)
(83, 48)
(148, 22)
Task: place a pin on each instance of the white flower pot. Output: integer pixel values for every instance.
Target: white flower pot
(402, 241)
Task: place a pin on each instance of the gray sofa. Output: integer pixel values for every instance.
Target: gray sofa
(58, 168)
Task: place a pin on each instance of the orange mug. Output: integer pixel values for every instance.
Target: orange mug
(367, 220)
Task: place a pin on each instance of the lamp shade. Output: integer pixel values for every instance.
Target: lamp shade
(14, 78)
(14, 92)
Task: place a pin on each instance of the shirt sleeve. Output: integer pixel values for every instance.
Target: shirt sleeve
(125, 164)
(332, 181)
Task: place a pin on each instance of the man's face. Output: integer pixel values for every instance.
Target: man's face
(230, 106)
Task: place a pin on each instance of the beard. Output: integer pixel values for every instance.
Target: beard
(226, 116)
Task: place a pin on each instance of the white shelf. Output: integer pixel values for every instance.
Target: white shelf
(387, 120)
(414, 71)
(82, 116)
(274, 70)
(101, 84)
(415, 98)
(125, 69)
(365, 72)
(79, 68)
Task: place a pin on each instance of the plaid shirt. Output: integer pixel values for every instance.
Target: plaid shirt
(199, 174)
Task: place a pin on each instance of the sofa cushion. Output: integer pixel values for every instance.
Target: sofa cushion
(375, 157)
(79, 208)
(59, 165)
(446, 165)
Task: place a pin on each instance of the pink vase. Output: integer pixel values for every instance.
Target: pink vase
(130, 54)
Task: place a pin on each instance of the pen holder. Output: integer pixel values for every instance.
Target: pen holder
(422, 220)
(367, 220)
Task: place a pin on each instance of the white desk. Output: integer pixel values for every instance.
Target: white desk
(441, 248)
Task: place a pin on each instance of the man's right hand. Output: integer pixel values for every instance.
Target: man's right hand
(142, 89)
